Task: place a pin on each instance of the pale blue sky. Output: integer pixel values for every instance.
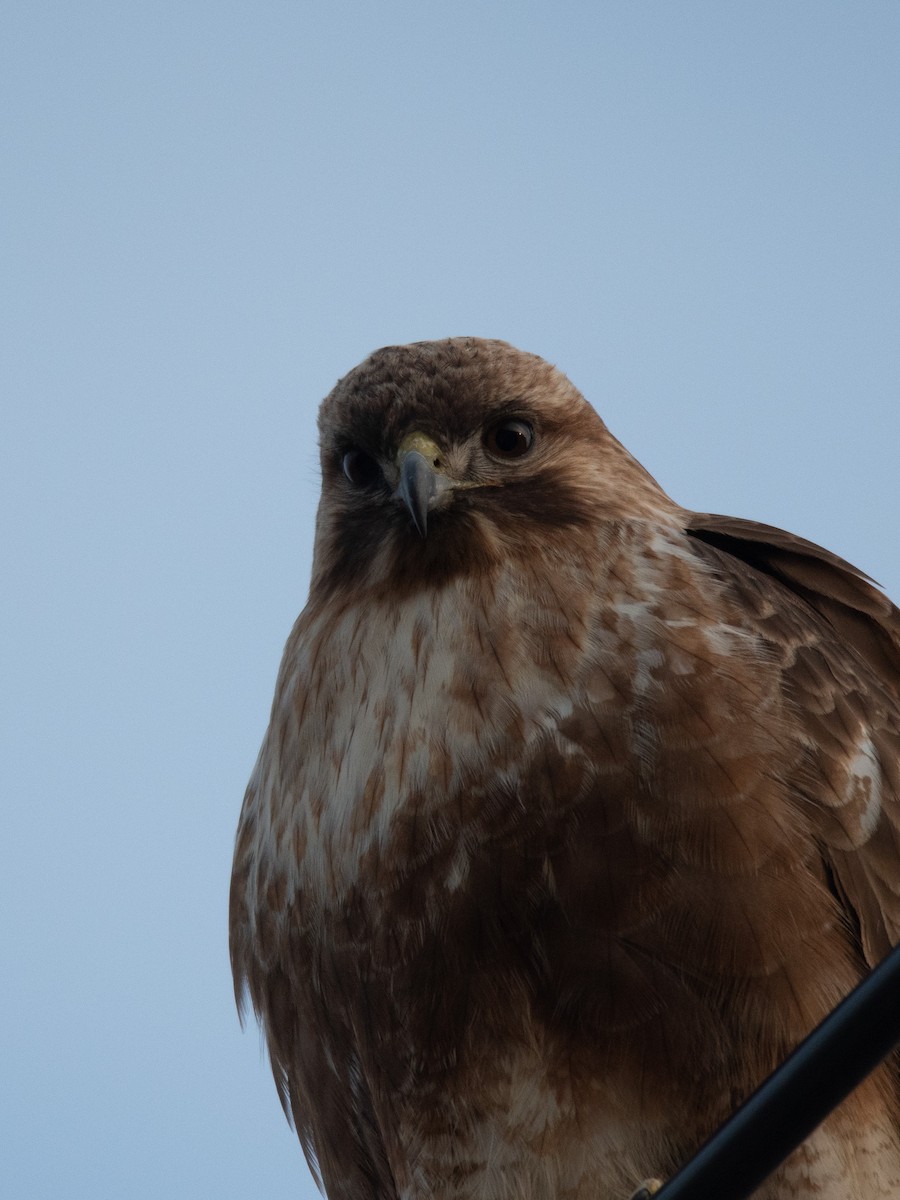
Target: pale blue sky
(210, 211)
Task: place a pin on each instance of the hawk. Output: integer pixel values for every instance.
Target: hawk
(576, 810)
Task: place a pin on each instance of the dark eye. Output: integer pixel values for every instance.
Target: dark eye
(360, 468)
(509, 439)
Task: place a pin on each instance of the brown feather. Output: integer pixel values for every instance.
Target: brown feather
(843, 674)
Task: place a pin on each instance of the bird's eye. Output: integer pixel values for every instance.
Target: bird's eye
(360, 468)
(510, 439)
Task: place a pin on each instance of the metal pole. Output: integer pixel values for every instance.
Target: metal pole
(784, 1111)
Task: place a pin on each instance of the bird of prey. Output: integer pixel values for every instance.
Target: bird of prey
(575, 813)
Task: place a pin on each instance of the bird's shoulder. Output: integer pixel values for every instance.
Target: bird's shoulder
(834, 638)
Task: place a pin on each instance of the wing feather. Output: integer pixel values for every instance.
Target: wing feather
(837, 638)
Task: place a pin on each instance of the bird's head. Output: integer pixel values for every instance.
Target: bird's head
(449, 456)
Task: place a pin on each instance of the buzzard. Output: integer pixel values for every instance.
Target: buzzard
(576, 810)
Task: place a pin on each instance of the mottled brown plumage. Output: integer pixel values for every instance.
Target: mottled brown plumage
(573, 815)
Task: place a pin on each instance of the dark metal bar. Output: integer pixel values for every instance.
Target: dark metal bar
(784, 1111)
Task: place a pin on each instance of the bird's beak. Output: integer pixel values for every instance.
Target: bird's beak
(421, 477)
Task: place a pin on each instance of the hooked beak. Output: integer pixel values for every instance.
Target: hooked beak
(421, 479)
